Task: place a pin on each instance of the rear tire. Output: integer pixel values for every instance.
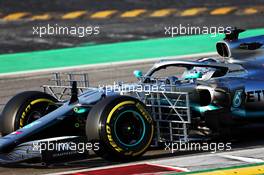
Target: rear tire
(23, 109)
(122, 127)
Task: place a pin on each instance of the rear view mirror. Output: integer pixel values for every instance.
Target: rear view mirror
(137, 73)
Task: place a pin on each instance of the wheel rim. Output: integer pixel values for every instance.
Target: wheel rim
(34, 115)
(129, 128)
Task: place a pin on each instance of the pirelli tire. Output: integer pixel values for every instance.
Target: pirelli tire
(122, 126)
(23, 109)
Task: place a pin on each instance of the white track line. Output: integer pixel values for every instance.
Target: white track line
(243, 159)
(100, 65)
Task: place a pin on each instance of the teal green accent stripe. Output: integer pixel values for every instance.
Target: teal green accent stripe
(135, 50)
(203, 109)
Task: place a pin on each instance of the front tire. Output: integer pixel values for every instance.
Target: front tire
(122, 127)
(23, 109)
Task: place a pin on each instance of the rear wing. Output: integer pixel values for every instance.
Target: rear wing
(233, 34)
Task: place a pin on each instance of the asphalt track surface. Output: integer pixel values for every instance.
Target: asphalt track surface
(247, 145)
(17, 36)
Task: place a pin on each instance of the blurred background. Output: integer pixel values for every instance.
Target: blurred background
(119, 20)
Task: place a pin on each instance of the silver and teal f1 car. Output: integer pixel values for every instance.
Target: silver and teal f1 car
(120, 122)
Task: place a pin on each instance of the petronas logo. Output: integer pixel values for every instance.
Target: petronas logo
(237, 100)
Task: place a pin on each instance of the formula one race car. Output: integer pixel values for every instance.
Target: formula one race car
(120, 122)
